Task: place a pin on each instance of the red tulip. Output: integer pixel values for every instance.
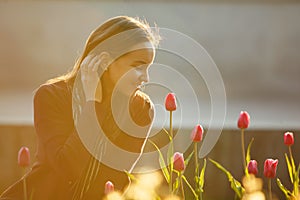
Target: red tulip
(270, 168)
(288, 138)
(252, 167)
(109, 187)
(197, 133)
(178, 162)
(170, 102)
(24, 157)
(244, 120)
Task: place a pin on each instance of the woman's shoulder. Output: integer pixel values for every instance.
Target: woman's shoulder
(56, 89)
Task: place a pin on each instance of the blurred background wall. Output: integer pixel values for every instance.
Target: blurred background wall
(254, 44)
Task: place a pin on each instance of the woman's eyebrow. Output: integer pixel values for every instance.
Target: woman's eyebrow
(141, 62)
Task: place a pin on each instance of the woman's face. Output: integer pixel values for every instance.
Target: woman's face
(129, 71)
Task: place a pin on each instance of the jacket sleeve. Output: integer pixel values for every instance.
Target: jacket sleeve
(58, 139)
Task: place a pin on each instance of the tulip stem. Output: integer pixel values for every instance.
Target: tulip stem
(270, 189)
(243, 147)
(172, 150)
(290, 151)
(171, 128)
(25, 188)
(196, 169)
(196, 159)
(181, 186)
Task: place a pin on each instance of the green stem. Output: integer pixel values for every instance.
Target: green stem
(171, 160)
(294, 170)
(24, 188)
(171, 126)
(196, 159)
(291, 156)
(269, 189)
(243, 148)
(181, 186)
(290, 151)
(197, 170)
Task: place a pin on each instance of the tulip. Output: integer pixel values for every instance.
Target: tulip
(24, 157)
(243, 123)
(178, 163)
(197, 133)
(270, 172)
(24, 161)
(170, 102)
(170, 105)
(109, 187)
(252, 167)
(288, 138)
(244, 120)
(270, 168)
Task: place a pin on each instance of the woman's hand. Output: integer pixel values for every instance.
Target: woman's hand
(90, 78)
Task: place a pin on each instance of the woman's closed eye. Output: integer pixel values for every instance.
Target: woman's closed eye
(140, 67)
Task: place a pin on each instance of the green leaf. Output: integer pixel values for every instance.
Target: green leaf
(293, 164)
(130, 176)
(176, 184)
(170, 155)
(187, 160)
(165, 130)
(248, 156)
(290, 169)
(201, 179)
(296, 182)
(189, 185)
(235, 185)
(162, 163)
(286, 192)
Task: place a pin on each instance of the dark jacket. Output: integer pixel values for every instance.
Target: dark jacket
(65, 170)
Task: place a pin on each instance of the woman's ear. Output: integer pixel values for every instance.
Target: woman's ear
(104, 63)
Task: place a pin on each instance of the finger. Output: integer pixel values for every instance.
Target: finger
(96, 65)
(92, 63)
(84, 64)
(86, 60)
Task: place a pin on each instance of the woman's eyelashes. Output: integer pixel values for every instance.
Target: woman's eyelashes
(140, 67)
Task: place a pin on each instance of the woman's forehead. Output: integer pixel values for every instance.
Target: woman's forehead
(146, 55)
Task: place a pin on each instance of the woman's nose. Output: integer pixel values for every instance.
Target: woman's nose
(144, 76)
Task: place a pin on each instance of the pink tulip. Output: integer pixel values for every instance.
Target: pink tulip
(24, 157)
(197, 133)
(244, 120)
(288, 138)
(252, 167)
(109, 187)
(270, 168)
(170, 102)
(178, 162)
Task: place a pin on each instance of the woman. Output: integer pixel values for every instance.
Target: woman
(85, 118)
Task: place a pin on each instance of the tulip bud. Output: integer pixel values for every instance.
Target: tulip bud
(109, 187)
(288, 138)
(244, 120)
(197, 133)
(24, 157)
(270, 168)
(252, 167)
(178, 163)
(170, 102)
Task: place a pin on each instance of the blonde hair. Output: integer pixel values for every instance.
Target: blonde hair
(112, 27)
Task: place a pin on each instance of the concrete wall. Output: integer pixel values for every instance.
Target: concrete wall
(267, 144)
(254, 45)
